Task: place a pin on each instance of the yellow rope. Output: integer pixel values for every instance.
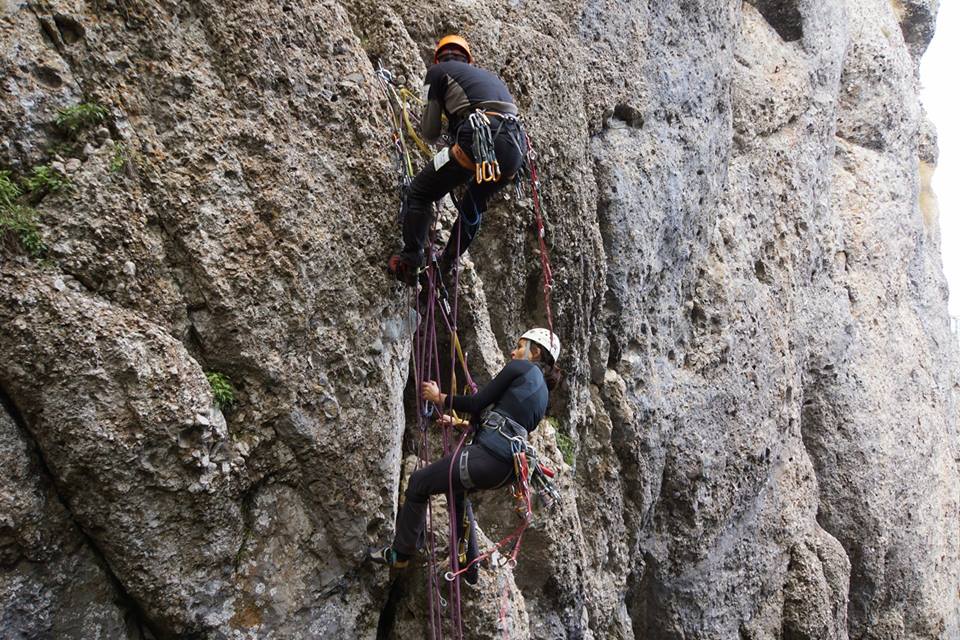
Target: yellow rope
(455, 346)
(407, 96)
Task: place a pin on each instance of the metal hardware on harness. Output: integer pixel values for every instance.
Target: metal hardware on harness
(465, 478)
(545, 489)
(497, 421)
(487, 167)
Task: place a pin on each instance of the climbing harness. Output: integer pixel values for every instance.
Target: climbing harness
(499, 434)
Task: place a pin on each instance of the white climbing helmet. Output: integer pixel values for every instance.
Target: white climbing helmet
(545, 339)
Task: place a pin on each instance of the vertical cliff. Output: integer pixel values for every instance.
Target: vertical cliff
(761, 395)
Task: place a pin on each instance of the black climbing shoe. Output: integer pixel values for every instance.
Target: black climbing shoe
(403, 270)
(387, 556)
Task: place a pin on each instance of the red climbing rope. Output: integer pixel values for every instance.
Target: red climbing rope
(541, 234)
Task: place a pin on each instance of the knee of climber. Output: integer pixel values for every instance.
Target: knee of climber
(417, 193)
(426, 188)
(417, 489)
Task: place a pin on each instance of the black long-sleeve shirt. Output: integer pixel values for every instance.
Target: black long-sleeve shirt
(454, 88)
(519, 392)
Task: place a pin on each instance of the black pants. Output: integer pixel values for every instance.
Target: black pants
(486, 472)
(432, 184)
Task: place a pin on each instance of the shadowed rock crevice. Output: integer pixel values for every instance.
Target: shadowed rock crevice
(70, 29)
(387, 619)
(783, 15)
(917, 23)
(629, 114)
(642, 600)
(137, 625)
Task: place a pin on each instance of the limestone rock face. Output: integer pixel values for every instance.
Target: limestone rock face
(53, 585)
(761, 378)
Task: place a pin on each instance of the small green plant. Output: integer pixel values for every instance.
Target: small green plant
(223, 392)
(43, 179)
(64, 148)
(119, 158)
(22, 222)
(565, 444)
(79, 117)
(9, 191)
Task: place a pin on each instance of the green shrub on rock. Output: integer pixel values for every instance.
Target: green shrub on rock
(9, 191)
(223, 392)
(21, 222)
(79, 117)
(44, 179)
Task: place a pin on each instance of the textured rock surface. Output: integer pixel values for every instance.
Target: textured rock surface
(52, 585)
(762, 379)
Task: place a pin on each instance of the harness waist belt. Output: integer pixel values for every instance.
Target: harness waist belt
(462, 157)
(498, 434)
(496, 108)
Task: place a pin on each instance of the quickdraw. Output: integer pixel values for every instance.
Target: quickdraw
(398, 100)
(484, 153)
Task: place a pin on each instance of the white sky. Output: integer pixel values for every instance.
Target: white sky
(940, 96)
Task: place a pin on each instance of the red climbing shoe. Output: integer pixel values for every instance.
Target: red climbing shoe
(403, 270)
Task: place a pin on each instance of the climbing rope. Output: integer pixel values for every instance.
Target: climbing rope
(531, 163)
(427, 367)
(425, 355)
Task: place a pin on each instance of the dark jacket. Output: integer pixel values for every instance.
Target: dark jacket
(519, 392)
(455, 89)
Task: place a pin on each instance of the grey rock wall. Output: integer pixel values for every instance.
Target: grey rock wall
(761, 373)
(53, 583)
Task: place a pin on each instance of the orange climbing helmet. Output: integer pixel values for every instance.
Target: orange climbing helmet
(452, 40)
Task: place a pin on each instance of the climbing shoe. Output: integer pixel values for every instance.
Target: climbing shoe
(403, 270)
(389, 557)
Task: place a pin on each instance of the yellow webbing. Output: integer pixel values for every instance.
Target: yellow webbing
(407, 96)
